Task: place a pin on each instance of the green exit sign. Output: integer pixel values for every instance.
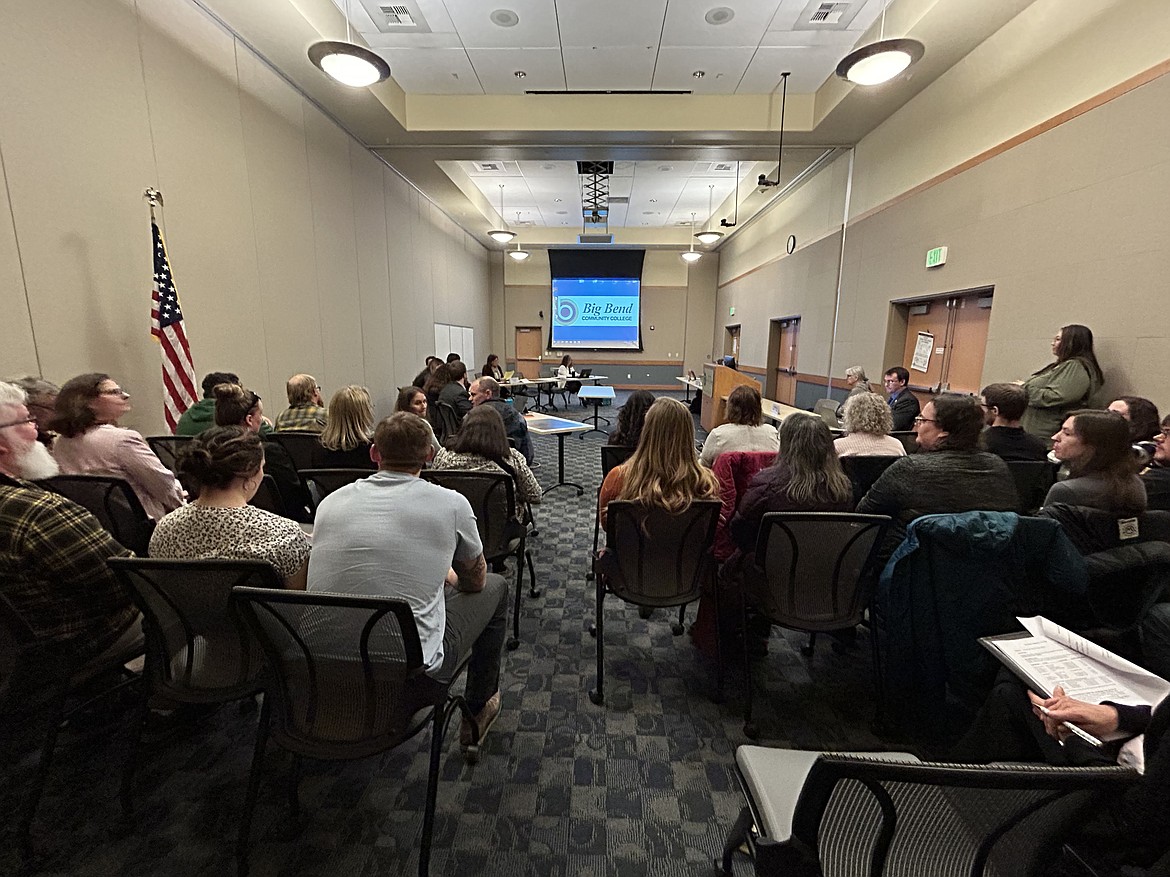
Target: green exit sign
(936, 257)
(731, 311)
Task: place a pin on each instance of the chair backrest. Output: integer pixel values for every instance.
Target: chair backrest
(16, 637)
(446, 422)
(493, 500)
(168, 448)
(734, 470)
(657, 558)
(572, 387)
(346, 673)
(826, 409)
(113, 502)
(864, 471)
(268, 497)
(613, 456)
(198, 649)
(300, 444)
(866, 816)
(1033, 478)
(908, 439)
(1092, 530)
(323, 482)
(814, 567)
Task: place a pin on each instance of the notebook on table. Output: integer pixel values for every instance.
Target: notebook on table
(508, 375)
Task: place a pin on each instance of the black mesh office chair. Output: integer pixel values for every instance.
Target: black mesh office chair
(113, 502)
(300, 444)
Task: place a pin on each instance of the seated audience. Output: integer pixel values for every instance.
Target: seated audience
(743, 428)
(237, 406)
(1125, 835)
(1003, 406)
(806, 477)
(414, 400)
(486, 391)
(858, 386)
(90, 442)
(306, 411)
(951, 475)
(345, 441)
(432, 363)
(42, 404)
(904, 405)
(412, 537)
(53, 552)
(227, 462)
(663, 471)
(867, 421)
(1102, 472)
(481, 445)
(201, 415)
(453, 357)
(1141, 414)
(491, 368)
(630, 418)
(454, 392)
(1156, 477)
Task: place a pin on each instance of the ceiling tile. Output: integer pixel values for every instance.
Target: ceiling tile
(722, 68)
(794, 12)
(809, 66)
(609, 69)
(685, 24)
(432, 71)
(497, 68)
(537, 27)
(616, 23)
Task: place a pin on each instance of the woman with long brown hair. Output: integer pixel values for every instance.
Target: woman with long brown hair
(743, 427)
(1068, 383)
(482, 445)
(1103, 473)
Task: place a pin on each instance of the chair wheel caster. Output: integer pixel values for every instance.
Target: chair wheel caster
(676, 628)
(535, 592)
(513, 644)
(597, 697)
(593, 631)
(752, 731)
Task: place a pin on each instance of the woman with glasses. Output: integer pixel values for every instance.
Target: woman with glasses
(1096, 448)
(90, 442)
(1156, 477)
(950, 474)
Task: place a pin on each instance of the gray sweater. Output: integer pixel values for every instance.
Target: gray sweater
(1097, 492)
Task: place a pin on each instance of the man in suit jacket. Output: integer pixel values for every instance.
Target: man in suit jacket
(903, 404)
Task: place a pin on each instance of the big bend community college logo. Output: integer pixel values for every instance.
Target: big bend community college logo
(565, 311)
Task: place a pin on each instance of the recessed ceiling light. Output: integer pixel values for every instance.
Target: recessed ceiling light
(519, 74)
(505, 18)
(719, 15)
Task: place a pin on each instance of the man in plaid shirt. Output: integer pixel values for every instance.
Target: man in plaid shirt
(306, 409)
(53, 552)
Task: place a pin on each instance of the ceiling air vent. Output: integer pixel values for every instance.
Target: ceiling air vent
(828, 15)
(402, 17)
(595, 239)
(620, 199)
(396, 16)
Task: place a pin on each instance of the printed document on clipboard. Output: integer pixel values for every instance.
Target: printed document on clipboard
(1048, 655)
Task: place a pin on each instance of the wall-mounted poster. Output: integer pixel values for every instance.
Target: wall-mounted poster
(922, 348)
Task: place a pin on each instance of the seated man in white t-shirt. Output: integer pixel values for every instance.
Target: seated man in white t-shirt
(395, 535)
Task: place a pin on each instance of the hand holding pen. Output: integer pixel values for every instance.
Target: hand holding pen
(1063, 715)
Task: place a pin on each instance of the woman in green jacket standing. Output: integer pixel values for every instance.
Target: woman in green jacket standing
(1062, 386)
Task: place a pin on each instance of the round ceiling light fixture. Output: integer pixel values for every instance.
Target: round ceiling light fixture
(502, 235)
(880, 62)
(348, 63)
(692, 255)
(504, 18)
(719, 15)
(709, 237)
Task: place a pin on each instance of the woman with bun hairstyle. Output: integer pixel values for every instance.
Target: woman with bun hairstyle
(237, 406)
(227, 462)
(90, 442)
(345, 441)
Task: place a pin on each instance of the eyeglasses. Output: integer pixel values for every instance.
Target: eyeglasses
(921, 419)
(1164, 433)
(116, 391)
(20, 422)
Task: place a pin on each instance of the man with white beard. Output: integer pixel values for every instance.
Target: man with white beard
(53, 552)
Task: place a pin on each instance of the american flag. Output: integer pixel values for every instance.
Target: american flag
(166, 324)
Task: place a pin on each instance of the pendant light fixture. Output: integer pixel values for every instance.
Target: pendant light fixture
(880, 62)
(518, 254)
(709, 237)
(348, 63)
(692, 255)
(502, 235)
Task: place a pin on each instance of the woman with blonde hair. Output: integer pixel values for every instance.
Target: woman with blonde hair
(867, 421)
(345, 441)
(664, 470)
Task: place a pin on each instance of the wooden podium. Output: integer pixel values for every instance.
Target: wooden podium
(718, 382)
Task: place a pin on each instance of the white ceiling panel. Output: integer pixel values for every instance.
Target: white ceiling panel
(722, 69)
(611, 22)
(809, 66)
(609, 69)
(379, 40)
(432, 71)
(497, 70)
(685, 24)
(537, 27)
(791, 13)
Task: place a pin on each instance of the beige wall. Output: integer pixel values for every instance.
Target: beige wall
(676, 300)
(293, 248)
(1068, 225)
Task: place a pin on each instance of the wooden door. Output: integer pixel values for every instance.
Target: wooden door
(933, 318)
(785, 333)
(968, 344)
(528, 351)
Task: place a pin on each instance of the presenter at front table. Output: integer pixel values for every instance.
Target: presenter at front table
(565, 370)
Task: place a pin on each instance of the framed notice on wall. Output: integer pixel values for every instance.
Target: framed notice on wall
(921, 360)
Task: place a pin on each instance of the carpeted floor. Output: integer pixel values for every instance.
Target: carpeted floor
(642, 786)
